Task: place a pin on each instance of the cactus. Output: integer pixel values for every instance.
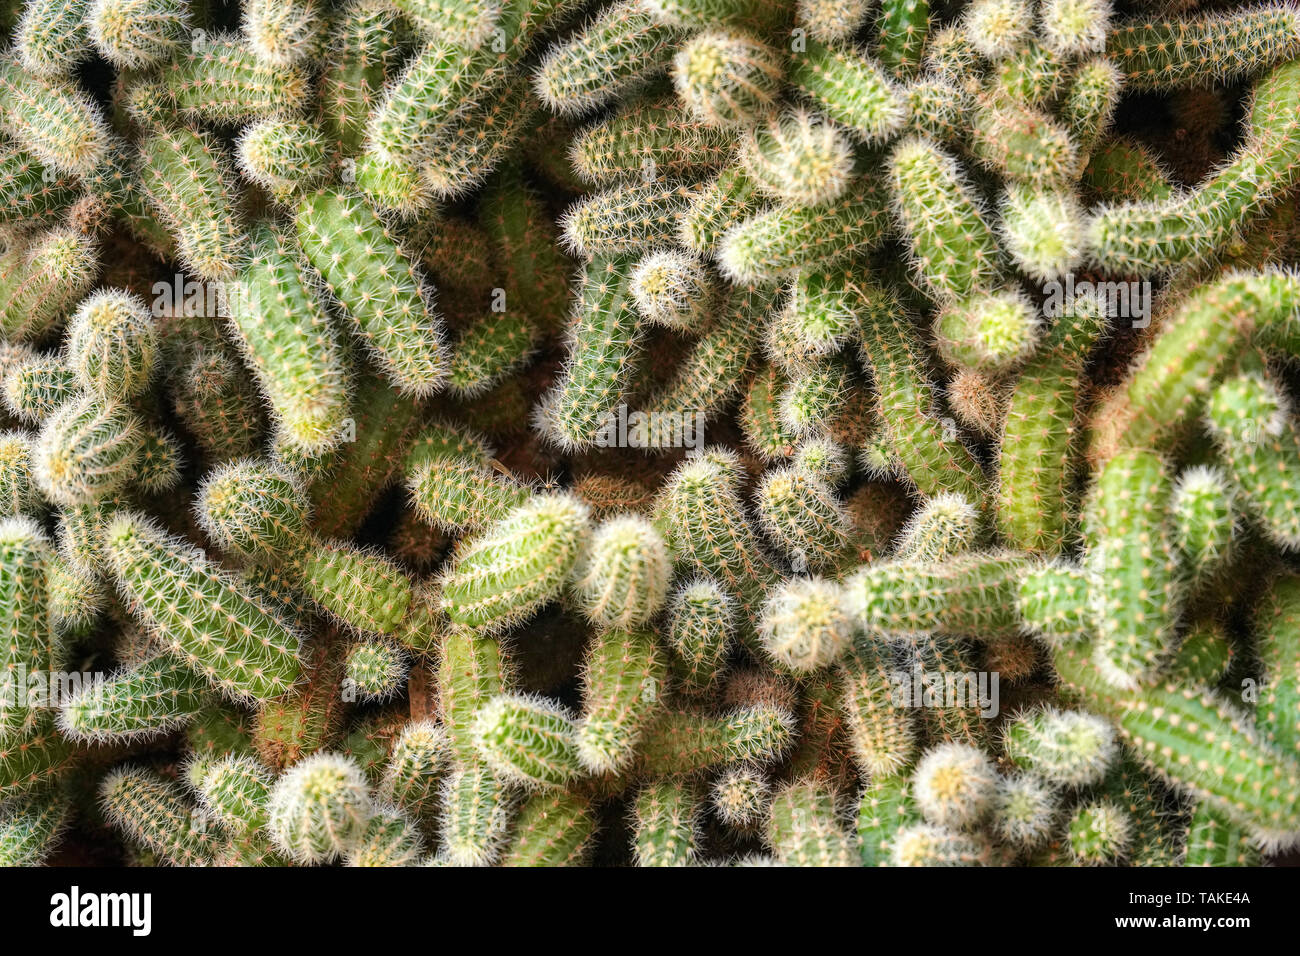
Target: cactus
(622, 580)
(804, 828)
(666, 825)
(153, 812)
(319, 809)
(727, 78)
(134, 34)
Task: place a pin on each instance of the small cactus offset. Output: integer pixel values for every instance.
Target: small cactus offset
(649, 432)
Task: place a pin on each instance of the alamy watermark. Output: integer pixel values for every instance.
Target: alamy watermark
(1119, 300)
(622, 429)
(917, 687)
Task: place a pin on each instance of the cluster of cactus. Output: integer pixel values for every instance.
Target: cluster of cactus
(665, 432)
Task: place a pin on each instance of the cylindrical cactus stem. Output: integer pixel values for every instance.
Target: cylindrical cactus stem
(31, 827)
(112, 345)
(30, 191)
(1023, 144)
(376, 670)
(365, 55)
(1122, 170)
(1147, 237)
(701, 626)
(1251, 422)
(622, 579)
(627, 218)
(761, 16)
(804, 626)
(926, 844)
(32, 752)
(188, 180)
(416, 768)
(260, 510)
(51, 37)
(464, 22)
(881, 733)
(682, 742)
(1200, 743)
(1215, 839)
(458, 493)
(950, 54)
(973, 593)
(1168, 383)
(530, 741)
(944, 526)
(953, 249)
(289, 344)
(220, 80)
(801, 514)
(1025, 811)
(885, 808)
(1075, 27)
(804, 827)
(1203, 522)
(931, 452)
(742, 796)
(799, 158)
(1161, 55)
(649, 138)
(990, 331)
(727, 78)
(390, 838)
(1043, 231)
(153, 812)
(19, 494)
(235, 788)
(516, 565)
(377, 285)
(901, 30)
(1066, 748)
(997, 28)
(471, 671)
(1032, 75)
(215, 624)
(476, 813)
(318, 809)
(702, 518)
(1135, 593)
(1053, 601)
(717, 206)
(88, 449)
(602, 342)
(666, 824)
(769, 245)
(937, 109)
(608, 55)
(552, 829)
(218, 403)
(1204, 654)
(489, 350)
(27, 645)
(52, 119)
(43, 279)
(282, 33)
(135, 34)
(144, 701)
(853, 90)
(1090, 102)
(37, 387)
(954, 785)
(673, 290)
(1100, 833)
(285, 157)
(623, 687)
(815, 395)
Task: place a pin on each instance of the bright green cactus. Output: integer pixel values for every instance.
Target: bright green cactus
(52, 119)
(881, 733)
(516, 565)
(220, 79)
(88, 449)
(133, 34)
(529, 741)
(1134, 589)
(666, 825)
(31, 828)
(1203, 518)
(375, 669)
(389, 839)
(1213, 839)
(852, 90)
(885, 809)
(460, 493)
(280, 33)
(1100, 833)
(38, 387)
(1043, 231)
(148, 699)
(701, 625)
(802, 516)
(152, 811)
(623, 687)
(804, 625)
(1053, 600)
(18, 491)
(222, 630)
(377, 286)
(988, 332)
(284, 157)
(622, 579)
(319, 809)
(43, 279)
(236, 789)
(1025, 811)
(804, 827)
(112, 345)
(1165, 54)
(727, 78)
(1066, 748)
